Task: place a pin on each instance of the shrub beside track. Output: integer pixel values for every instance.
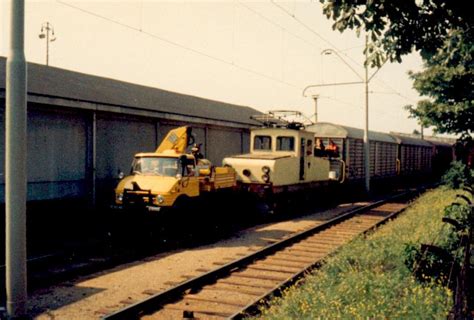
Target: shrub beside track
(369, 279)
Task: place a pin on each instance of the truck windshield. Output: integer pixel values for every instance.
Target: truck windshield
(157, 166)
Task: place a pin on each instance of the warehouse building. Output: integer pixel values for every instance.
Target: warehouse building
(83, 130)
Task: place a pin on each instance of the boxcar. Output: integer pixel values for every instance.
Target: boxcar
(414, 156)
(349, 141)
(443, 154)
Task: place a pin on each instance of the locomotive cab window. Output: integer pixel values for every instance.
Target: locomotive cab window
(285, 144)
(262, 143)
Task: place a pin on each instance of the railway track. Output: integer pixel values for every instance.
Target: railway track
(237, 288)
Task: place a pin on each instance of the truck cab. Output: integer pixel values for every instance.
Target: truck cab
(159, 179)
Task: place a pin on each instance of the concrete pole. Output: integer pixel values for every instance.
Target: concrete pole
(366, 126)
(315, 97)
(15, 165)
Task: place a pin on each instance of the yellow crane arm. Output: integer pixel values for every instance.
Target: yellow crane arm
(177, 139)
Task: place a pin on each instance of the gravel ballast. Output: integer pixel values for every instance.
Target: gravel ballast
(96, 295)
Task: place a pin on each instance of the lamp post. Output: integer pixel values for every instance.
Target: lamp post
(363, 80)
(366, 124)
(46, 29)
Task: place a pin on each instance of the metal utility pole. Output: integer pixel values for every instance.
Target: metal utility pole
(315, 98)
(365, 81)
(366, 126)
(15, 165)
(46, 28)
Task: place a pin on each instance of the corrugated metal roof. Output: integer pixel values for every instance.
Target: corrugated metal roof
(437, 141)
(411, 140)
(330, 130)
(59, 83)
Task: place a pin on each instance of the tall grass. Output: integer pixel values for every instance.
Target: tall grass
(368, 279)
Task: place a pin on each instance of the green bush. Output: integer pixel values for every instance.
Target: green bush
(444, 257)
(458, 176)
(461, 213)
(430, 263)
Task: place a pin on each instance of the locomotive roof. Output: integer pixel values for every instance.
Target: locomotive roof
(331, 130)
(56, 83)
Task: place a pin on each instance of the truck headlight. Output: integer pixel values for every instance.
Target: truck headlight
(160, 199)
(120, 197)
(266, 178)
(265, 169)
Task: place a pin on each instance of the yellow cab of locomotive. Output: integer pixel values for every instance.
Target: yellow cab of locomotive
(159, 179)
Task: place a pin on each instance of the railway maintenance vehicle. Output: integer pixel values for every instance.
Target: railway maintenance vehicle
(171, 176)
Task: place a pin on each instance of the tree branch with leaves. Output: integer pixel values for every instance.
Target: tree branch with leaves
(441, 31)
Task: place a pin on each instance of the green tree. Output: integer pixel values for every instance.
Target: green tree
(448, 80)
(441, 30)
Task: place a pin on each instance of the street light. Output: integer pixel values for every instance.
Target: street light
(365, 81)
(46, 28)
(330, 51)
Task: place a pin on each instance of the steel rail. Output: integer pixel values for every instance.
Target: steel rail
(252, 308)
(154, 303)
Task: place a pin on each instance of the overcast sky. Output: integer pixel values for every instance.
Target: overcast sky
(260, 54)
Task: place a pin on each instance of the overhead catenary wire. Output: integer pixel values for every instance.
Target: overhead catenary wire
(380, 113)
(230, 62)
(307, 27)
(277, 24)
(304, 24)
(386, 85)
(179, 45)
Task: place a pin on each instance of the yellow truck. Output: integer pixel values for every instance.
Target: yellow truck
(171, 176)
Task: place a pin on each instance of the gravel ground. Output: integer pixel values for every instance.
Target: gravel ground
(102, 293)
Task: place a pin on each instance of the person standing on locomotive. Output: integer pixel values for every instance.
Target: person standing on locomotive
(332, 149)
(319, 149)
